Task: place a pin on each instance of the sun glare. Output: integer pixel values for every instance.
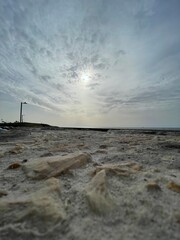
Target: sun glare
(86, 75)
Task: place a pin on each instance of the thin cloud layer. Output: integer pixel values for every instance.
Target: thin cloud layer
(90, 56)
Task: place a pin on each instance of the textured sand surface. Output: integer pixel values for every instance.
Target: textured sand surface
(115, 184)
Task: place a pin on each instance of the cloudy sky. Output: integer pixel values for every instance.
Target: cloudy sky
(97, 63)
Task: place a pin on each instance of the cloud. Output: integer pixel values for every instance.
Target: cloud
(45, 78)
(47, 46)
(159, 96)
(120, 52)
(6, 97)
(93, 86)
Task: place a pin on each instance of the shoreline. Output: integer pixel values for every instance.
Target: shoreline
(103, 129)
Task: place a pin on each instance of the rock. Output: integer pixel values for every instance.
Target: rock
(174, 186)
(81, 145)
(48, 154)
(41, 209)
(121, 169)
(67, 203)
(170, 145)
(3, 193)
(103, 146)
(24, 160)
(1, 154)
(156, 170)
(153, 186)
(3, 130)
(14, 165)
(46, 167)
(97, 194)
(17, 149)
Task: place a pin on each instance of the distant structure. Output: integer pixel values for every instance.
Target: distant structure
(21, 115)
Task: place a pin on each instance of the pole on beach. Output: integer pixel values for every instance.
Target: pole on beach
(21, 116)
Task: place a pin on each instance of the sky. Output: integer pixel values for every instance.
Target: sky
(97, 63)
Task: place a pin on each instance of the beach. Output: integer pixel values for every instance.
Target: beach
(63, 183)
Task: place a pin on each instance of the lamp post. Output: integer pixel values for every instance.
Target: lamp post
(21, 116)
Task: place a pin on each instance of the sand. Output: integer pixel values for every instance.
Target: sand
(127, 188)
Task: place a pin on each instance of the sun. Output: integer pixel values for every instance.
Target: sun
(86, 75)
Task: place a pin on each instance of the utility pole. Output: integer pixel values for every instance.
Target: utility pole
(21, 116)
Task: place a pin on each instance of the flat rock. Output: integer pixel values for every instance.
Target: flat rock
(17, 149)
(98, 195)
(173, 186)
(153, 186)
(41, 209)
(46, 167)
(14, 165)
(121, 169)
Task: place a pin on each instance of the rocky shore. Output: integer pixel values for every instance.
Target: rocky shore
(89, 184)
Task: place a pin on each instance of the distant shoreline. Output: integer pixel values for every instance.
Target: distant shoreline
(148, 130)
